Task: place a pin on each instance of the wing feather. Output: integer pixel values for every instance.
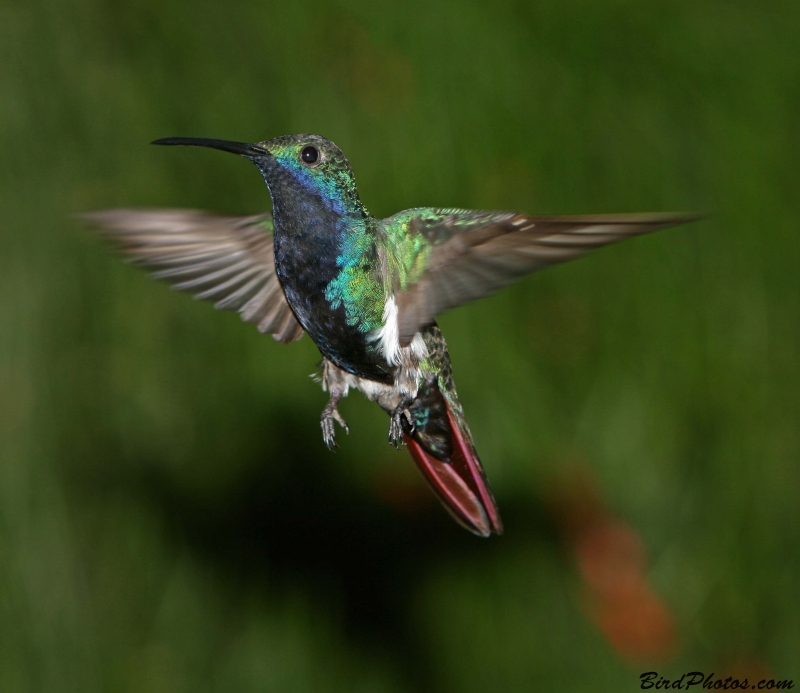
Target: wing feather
(473, 253)
(228, 260)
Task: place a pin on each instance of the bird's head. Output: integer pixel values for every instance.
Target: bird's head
(297, 169)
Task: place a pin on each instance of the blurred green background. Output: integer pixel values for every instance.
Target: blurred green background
(169, 517)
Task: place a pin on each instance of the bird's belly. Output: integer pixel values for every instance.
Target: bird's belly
(345, 345)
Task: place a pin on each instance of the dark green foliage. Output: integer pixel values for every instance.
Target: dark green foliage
(170, 519)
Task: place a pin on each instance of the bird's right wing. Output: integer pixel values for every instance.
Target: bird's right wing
(447, 257)
(228, 260)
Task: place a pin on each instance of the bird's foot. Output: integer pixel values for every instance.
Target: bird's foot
(396, 424)
(329, 415)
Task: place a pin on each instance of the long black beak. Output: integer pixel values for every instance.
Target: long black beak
(251, 151)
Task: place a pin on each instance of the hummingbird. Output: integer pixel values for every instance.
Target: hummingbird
(366, 290)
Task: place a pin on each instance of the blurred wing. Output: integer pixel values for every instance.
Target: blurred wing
(228, 260)
(464, 255)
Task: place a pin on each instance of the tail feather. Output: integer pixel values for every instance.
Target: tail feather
(438, 439)
(459, 481)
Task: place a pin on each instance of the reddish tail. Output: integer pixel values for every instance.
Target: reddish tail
(460, 483)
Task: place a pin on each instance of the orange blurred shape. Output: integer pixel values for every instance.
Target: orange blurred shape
(637, 624)
(612, 560)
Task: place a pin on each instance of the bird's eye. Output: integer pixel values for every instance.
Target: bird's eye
(309, 155)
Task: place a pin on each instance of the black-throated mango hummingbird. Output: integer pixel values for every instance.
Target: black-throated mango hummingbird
(366, 290)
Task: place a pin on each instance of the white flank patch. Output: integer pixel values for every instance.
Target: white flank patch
(389, 339)
(407, 358)
(388, 334)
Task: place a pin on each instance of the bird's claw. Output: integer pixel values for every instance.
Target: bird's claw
(328, 429)
(396, 426)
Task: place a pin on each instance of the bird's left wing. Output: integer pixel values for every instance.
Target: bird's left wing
(443, 258)
(228, 260)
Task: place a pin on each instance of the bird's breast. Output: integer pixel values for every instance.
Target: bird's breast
(336, 304)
